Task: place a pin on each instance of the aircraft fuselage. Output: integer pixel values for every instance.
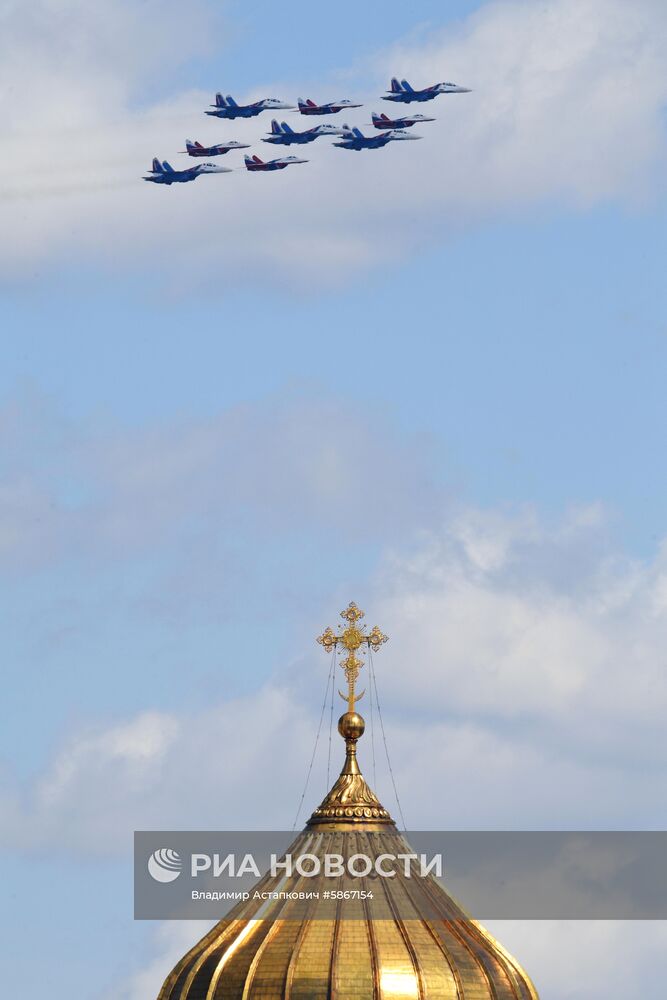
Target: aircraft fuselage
(400, 122)
(372, 142)
(324, 109)
(174, 178)
(412, 96)
(250, 111)
(292, 138)
(266, 166)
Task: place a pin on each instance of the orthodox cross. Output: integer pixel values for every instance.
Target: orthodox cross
(352, 638)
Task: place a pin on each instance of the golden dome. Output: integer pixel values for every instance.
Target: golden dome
(410, 941)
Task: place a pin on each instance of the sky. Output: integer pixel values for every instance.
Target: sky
(429, 379)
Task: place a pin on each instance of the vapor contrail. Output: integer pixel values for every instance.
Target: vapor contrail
(62, 190)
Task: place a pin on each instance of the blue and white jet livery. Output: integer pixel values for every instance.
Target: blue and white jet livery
(384, 121)
(309, 107)
(353, 138)
(220, 148)
(282, 134)
(164, 173)
(254, 163)
(402, 92)
(226, 107)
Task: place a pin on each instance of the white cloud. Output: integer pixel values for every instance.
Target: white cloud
(525, 690)
(170, 942)
(163, 771)
(263, 469)
(595, 960)
(540, 650)
(577, 960)
(70, 63)
(567, 107)
(130, 755)
(524, 683)
(523, 686)
(561, 90)
(543, 607)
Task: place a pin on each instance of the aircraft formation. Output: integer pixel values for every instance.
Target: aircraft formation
(387, 130)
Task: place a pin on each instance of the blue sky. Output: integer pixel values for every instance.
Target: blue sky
(528, 353)
(432, 382)
(268, 36)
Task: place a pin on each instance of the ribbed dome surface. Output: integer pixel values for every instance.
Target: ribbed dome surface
(410, 941)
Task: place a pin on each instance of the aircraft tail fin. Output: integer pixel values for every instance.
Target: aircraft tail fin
(156, 167)
(275, 127)
(256, 159)
(395, 86)
(357, 131)
(406, 86)
(220, 101)
(231, 103)
(167, 167)
(286, 128)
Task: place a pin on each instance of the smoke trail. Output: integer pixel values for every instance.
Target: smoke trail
(62, 190)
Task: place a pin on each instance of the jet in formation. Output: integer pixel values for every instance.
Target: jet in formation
(226, 107)
(282, 134)
(386, 129)
(196, 148)
(164, 173)
(353, 138)
(309, 107)
(384, 121)
(254, 163)
(402, 92)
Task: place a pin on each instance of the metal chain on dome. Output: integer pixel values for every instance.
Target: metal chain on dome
(331, 718)
(384, 737)
(375, 780)
(330, 681)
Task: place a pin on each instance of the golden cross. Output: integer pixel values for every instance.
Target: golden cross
(352, 638)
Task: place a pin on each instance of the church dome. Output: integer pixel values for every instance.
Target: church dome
(409, 941)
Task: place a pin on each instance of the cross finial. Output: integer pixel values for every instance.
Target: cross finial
(352, 638)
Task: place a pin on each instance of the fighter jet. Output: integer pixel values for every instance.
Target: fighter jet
(226, 107)
(196, 148)
(254, 163)
(384, 121)
(309, 107)
(354, 138)
(403, 92)
(164, 173)
(282, 135)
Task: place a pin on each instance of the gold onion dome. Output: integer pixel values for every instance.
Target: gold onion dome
(411, 941)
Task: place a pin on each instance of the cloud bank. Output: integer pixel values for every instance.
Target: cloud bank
(524, 683)
(524, 688)
(567, 109)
